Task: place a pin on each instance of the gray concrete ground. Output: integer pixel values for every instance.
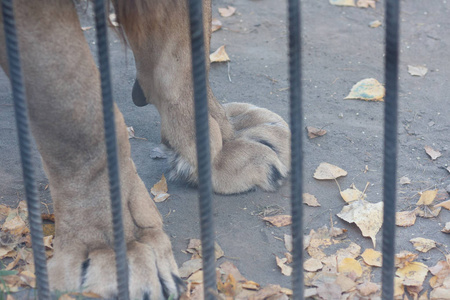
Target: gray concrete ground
(339, 49)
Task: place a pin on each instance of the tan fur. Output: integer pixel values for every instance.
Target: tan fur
(249, 145)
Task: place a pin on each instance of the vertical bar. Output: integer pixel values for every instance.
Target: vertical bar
(24, 137)
(390, 146)
(296, 120)
(203, 150)
(120, 248)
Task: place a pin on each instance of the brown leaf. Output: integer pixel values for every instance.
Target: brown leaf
(250, 285)
(229, 268)
(405, 218)
(28, 278)
(48, 217)
(445, 204)
(404, 258)
(48, 241)
(266, 292)
(49, 229)
(220, 55)
(285, 270)
(227, 12)
(228, 288)
(345, 282)
(427, 197)
(215, 24)
(314, 132)
(7, 251)
(279, 220)
(288, 242)
(428, 211)
(352, 251)
(434, 154)
(350, 266)
(159, 190)
(352, 194)
(326, 171)
(189, 267)
(329, 291)
(310, 200)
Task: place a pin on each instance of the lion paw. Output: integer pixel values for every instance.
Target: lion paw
(152, 270)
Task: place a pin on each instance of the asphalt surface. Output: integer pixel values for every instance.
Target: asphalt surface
(339, 49)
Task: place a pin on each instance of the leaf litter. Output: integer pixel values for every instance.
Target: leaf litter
(159, 190)
(220, 55)
(368, 89)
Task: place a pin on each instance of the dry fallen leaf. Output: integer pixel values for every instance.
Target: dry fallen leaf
(366, 3)
(251, 285)
(350, 266)
(288, 242)
(16, 226)
(405, 180)
(367, 216)
(229, 268)
(445, 204)
(428, 211)
(113, 19)
(159, 190)
(417, 70)
(48, 241)
(367, 288)
(285, 270)
(422, 244)
(314, 132)
(326, 171)
(446, 229)
(189, 267)
(352, 194)
(279, 220)
(227, 12)
(312, 265)
(405, 218)
(220, 55)
(352, 251)
(86, 28)
(310, 200)
(130, 131)
(375, 24)
(49, 217)
(343, 2)
(413, 274)
(404, 258)
(372, 257)
(427, 197)
(215, 24)
(367, 89)
(434, 154)
(228, 288)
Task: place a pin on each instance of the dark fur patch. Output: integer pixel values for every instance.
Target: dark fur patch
(146, 296)
(266, 143)
(138, 95)
(84, 268)
(275, 176)
(181, 287)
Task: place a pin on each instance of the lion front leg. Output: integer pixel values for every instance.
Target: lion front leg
(63, 93)
(249, 145)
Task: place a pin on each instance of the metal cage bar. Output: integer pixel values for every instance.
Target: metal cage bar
(120, 248)
(203, 147)
(24, 137)
(296, 120)
(390, 146)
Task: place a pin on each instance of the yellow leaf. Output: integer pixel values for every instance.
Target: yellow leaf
(220, 55)
(413, 274)
(367, 216)
(399, 289)
(197, 277)
(445, 204)
(404, 258)
(312, 265)
(310, 200)
(372, 257)
(6, 251)
(48, 241)
(352, 251)
(423, 245)
(279, 220)
(28, 278)
(227, 12)
(367, 89)
(368, 288)
(285, 270)
(366, 3)
(326, 171)
(343, 2)
(405, 218)
(350, 265)
(375, 24)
